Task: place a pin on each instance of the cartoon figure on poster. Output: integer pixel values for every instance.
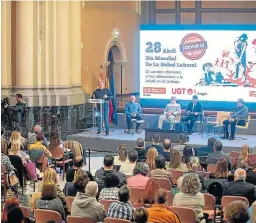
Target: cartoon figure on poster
(210, 76)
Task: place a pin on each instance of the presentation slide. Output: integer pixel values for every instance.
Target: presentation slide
(217, 63)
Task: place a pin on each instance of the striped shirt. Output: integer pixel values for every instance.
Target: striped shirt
(120, 210)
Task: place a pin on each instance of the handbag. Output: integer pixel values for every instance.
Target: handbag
(14, 181)
(31, 171)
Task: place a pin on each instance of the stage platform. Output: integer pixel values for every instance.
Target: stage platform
(102, 143)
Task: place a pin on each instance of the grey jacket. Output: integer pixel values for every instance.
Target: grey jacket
(32, 139)
(86, 206)
(240, 113)
(212, 158)
(53, 205)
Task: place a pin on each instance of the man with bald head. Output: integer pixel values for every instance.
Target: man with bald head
(239, 187)
(167, 144)
(32, 135)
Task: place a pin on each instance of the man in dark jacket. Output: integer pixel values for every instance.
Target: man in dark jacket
(108, 168)
(17, 110)
(239, 187)
(239, 117)
(156, 143)
(140, 148)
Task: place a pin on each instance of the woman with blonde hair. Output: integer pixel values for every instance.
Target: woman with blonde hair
(176, 161)
(244, 153)
(122, 155)
(16, 136)
(151, 156)
(221, 170)
(16, 150)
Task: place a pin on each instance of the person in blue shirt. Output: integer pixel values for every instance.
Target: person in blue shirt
(133, 111)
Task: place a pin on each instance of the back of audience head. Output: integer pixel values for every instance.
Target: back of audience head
(160, 162)
(218, 146)
(140, 143)
(40, 137)
(4, 147)
(194, 163)
(78, 162)
(15, 135)
(36, 129)
(240, 174)
(156, 139)
(141, 215)
(108, 161)
(222, 168)
(188, 152)
(9, 203)
(122, 152)
(182, 138)
(50, 174)
(161, 196)
(15, 146)
(151, 155)
(167, 144)
(124, 194)
(236, 212)
(175, 159)
(148, 194)
(81, 180)
(211, 142)
(245, 152)
(49, 190)
(141, 168)
(190, 184)
(91, 189)
(111, 180)
(133, 156)
(15, 215)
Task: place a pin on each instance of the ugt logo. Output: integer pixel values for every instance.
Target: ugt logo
(188, 91)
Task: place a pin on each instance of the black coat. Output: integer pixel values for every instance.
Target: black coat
(198, 107)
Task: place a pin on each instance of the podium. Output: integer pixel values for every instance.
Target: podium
(97, 113)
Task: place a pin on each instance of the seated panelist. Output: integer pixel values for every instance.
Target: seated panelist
(133, 111)
(171, 113)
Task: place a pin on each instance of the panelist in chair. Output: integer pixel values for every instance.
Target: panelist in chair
(133, 111)
(238, 117)
(171, 112)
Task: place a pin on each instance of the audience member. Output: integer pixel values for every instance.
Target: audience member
(156, 143)
(250, 174)
(236, 212)
(140, 215)
(176, 161)
(108, 168)
(9, 204)
(160, 172)
(85, 204)
(49, 199)
(151, 155)
(188, 152)
(213, 158)
(127, 168)
(80, 181)
(159, 212)
(17, 136)
(32, 135)
(221, 170)
(167, 144)
(244, 153)
(239, 187)
(139, 178)
(15, 215)
(16, 150)
(121, 209)
(122, 155)
(140, 148)
(5, 160)
(183, 138)
(190, 195)
(148, 196)
(110, 190)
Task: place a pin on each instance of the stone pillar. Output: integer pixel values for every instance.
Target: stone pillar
(6, 49)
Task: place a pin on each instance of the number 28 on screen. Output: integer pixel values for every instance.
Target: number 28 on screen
(153, 47)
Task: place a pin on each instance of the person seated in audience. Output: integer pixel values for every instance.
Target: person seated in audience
(49, 175)
(188, 152)
(250, 174)
(140, 148)
(110, 190)
(85, 204)
(148, 196)
(221, 170)
(182, 142)
(5, 160)
(252, 212)
(176, 161)
(139, 178)
(167, 145)
(140, 215)
(151, 156)
(156, 143)
(9, 203)
(239, 187)
(15, 215)
(122, 155)
(127, 168)
(159, 212)
(78, 150)
(49, 199)
(244, 153)
(236, 212)
(203, 151)
(121, 209)
(16, 150)
(190, 196)
(160, 171)
(17, 136)
(213, 158)
(108, 168)
(32, 135)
